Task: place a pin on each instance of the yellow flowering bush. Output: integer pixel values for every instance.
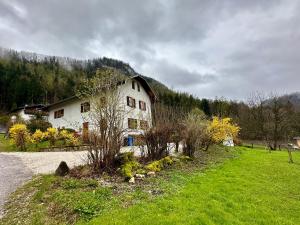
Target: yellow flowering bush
(220, 129)
(52, 135)
(68, 138)
(37, 136)
(20, 135)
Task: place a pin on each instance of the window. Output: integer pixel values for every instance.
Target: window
(133, 84)
(139, 88)
(131, 102)
(143, 124)
(142, 105)
(85, 107)
(59, 113)
(132, 123)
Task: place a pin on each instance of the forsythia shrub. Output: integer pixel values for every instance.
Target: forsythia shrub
(221, 129)
(68, 137)
(52, 135)
(37, 136)
(158, 165)
(20, 135)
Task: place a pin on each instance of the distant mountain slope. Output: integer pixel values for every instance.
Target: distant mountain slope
(89, 65)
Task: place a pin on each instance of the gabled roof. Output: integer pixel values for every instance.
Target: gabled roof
(147, 87)
(144, 83)
(35, 106)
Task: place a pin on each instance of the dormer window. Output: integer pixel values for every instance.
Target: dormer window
(133, 84)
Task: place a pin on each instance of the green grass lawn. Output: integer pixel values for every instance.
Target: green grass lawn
(257, 188)
(239, 186)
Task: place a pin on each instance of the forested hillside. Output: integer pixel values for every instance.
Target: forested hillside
(29, 78)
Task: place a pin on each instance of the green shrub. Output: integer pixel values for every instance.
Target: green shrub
(127, 170)
(141, 171)
(38, 124)
(155, 166)
(167, 161)
(158, 165)
(125, 157)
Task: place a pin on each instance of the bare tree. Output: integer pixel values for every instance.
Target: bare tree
(166, 129)
(269, 119)
(106, 117)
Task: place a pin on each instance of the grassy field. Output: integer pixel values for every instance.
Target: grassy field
(257, 188)
(223, 187)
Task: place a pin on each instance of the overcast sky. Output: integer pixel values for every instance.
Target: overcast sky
(207, 48)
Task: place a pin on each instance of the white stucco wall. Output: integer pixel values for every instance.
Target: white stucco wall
(22, 115)
(135, 113)
(73, 118)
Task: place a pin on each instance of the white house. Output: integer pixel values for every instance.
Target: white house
(137, 98)
(27, 112)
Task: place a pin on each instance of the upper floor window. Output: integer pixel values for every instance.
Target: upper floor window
(138, 87)
(132, 123)
(85, 107)
(131, 102)
(133, 84)
(59, 113)
(142, 105)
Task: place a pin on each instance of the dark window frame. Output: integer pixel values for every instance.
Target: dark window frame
(59, 113)
(144, 125)
(132, 123)
(131, 102)
(142, 105)
(133, 85)
(138, 87)
(85, 107)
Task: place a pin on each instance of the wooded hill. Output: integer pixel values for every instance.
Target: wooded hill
(29, 78)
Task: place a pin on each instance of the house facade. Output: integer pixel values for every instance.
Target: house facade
(27, 112)
(136, 96)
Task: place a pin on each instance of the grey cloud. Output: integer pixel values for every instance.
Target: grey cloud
(189, 45)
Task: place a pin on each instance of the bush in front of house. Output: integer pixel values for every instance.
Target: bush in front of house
(38, 124)
(129, 164)
(158, 165)
(68, 138)
(37, 137)
(52, 135)
(20, 135)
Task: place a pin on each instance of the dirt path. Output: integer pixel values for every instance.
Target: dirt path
(18, 167)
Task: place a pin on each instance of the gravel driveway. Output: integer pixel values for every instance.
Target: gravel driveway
(18, 167)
